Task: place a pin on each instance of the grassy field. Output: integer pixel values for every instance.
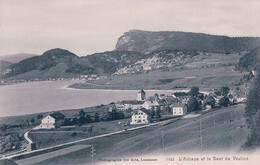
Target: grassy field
(205, 78)
(182, 136)
(206, 72)
(63, 135)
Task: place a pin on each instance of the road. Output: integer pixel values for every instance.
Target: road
(90, 138)
(27, 137)
(49, 155)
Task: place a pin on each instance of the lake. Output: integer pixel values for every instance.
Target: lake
(34, 97)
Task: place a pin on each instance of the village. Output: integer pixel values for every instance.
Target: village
(144, 110)
(126, 115)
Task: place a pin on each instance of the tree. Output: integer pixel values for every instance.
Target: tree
(157, 114)
(39, 116)
(224, 90)
(96, 117)
(193, 104)
(32, 120)
(156, 96)
(201, 96)
(74, 121)
(88, 118)
(210, 101)
(152, 112)
(194, 91)
(217, 92)
(81, 113)
(82, 120)
(224, 101)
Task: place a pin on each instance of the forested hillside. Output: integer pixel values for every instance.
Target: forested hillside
(253, 114)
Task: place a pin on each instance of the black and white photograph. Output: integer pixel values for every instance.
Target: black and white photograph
(129, 82)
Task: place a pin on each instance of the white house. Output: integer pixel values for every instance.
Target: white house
(50, 121)
(140, 116)
(120, 107)
(148, 104)
(141, 95)
(179, 109)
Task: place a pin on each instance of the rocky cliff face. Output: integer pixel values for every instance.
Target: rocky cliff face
(147, 42)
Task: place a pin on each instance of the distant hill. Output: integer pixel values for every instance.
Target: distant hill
(147, 42)
(53, 58)
(60, 63)
(250, 61)
(136, 51)
(16, 57)
(4, 65)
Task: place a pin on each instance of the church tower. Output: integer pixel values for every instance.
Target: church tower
(141, 95)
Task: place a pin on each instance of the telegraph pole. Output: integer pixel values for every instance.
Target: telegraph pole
(214, 128)
(231, 120)
(93, 153)
(162, 133)
(200, 135)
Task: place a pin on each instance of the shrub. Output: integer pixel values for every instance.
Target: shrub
(73, 134)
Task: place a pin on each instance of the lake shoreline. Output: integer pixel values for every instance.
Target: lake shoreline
(38, 97)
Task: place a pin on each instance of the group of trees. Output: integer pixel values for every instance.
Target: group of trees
(87, 118)
(82, 119)
(252, 114)
(194, 105)
(155, 113)
(10, 142)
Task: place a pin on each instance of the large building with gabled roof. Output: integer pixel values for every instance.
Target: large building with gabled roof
(50, 121)
(140, 116)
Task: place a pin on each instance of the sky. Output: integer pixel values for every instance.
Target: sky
(90, 26)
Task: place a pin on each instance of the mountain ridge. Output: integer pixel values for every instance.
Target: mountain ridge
(148, 41)
(14, 58)
(136, 51)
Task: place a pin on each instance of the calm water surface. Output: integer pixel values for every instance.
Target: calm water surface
(33, 97)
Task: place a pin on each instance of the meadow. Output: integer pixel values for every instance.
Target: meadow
(227, 134)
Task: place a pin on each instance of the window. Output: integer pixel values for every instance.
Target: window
(139, 116)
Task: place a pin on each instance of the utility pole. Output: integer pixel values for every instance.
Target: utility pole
(93, 153)
(200, 135)
(162, 133)
(214, 128)
(231, 120)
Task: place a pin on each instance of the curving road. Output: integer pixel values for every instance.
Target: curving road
(86, 139)
(26, 136)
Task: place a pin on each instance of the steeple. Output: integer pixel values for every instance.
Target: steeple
(141, 95)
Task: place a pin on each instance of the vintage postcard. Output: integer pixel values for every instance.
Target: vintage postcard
(140, 82)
